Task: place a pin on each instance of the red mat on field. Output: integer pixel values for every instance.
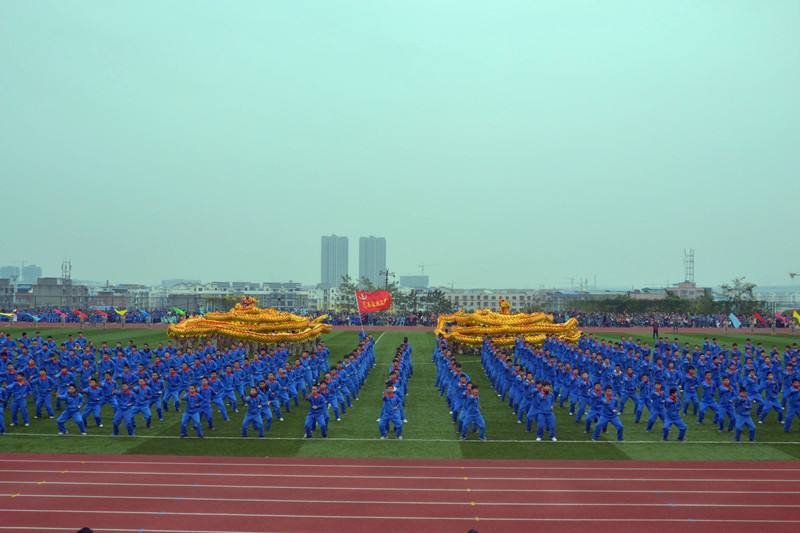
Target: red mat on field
(245, 494)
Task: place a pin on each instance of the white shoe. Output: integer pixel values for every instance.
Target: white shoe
(26, 425)
(101, 425)
(338, 419)
(377, 420)
(60, 432)
(519, 421)
(383, 438)
(400, 437)
(84, 433)
(281, 419)
(554, 439)
(405, 421)
(538, 439)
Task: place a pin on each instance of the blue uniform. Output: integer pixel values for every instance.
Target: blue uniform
(253, 415)
(43, 389)
(473, 417)
(94, 401)
(71, 412)
(318, 406)
(18, 392)
(672, 408)
(391, 413)
(123, 409)
(192, 412)
(545, 418)
(743, 408)
(608, 415)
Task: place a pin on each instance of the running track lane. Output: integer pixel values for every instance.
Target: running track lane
(248, 495)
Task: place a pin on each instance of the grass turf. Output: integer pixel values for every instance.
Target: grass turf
(429, 433)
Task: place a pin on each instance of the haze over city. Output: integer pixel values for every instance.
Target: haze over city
(517, 146)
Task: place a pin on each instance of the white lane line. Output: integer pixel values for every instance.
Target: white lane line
(395, 518)
(377, 440)
(465, 503)
(398, 489)
(393, 477)
(110, 460)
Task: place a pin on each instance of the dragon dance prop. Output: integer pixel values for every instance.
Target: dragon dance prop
(503, 328)
(247, 322)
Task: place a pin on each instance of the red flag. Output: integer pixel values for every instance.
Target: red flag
(760, 318)
(370, 302)
(80, 314)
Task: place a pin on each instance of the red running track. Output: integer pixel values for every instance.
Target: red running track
(227, 494)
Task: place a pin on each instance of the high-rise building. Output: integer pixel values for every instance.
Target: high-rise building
(372, 259)
(30, 274)
(11, 272)
(334, 260)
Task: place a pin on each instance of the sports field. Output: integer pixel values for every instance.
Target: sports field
(429, 432)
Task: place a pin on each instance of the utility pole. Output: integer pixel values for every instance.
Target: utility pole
(386, 274)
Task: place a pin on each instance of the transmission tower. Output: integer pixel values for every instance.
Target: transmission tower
(688, 265)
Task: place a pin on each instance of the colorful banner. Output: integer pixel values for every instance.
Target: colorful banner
(121, 312)
(144, 313)
(780, 318)
(734, 321)
(759, 318)
(59, 312)
(178, 311)
(796, 315)
(32, 316)
(80, 314)
(8, 315)
(371, 302)
(100, 312)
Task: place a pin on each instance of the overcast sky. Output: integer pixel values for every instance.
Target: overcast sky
(506, 144)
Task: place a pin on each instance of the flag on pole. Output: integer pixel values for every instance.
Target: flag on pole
(371, 302)
(734, 321)
(178, 311)
(121, 312)
(144, 313)
(80, 314)
(779, 317)
(796, 315)
(759, 318)
(100, 312)
(59, 312)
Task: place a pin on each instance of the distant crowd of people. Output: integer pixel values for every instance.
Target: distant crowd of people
(666, 321)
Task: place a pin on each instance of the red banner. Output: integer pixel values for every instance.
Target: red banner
(760, 318)
(80, 314)
(371, 302)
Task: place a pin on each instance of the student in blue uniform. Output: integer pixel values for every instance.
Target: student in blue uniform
(43, 387)
(792, 399)
(252, 415)
(657, 406)
(192, 411)
(391, 413)
(545, 418)
(3, 402)
(73, 402)
(318, 405)
(18, 392)
(708, 399)
(743, 409)
(123, 407)
(608, 415)
(473, 416)
(672, 408)
(726, 397)
(94, 401)
(771, 389)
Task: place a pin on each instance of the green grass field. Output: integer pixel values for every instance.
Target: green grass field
(429, 433)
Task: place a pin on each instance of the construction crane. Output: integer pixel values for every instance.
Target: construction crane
(423, 265)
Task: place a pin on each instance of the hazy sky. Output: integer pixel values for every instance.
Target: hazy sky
(507, 144)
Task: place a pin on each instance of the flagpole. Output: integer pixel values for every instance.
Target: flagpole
(358, 308)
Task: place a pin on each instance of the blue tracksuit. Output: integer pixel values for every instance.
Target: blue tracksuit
(771, 390)
(123, 409)
(726, 396)
(545, 418)
(743, 408)
(318, 405)
(43, 389)
(473, 417)
(253, 415)
(708, 401)
(608, 415)
(192, 412)
(792, 399)
(3, 401)
(391, 412)
(73, 411)
(94, 401)
(18, 392)
(672, 408)
(657, 408)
